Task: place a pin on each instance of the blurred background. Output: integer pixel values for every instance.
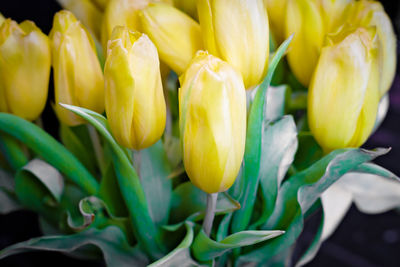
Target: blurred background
(361, 240)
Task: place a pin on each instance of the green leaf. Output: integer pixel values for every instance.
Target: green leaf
(313, 248)
(308, 151)
(205, 249)
(275, 102)
(39, 187)
(8, 202)
(189, 201)
(372, 193)
(279, 144)
(298, 194)
(77, 140)
(373, 189)
(12, 151)
(96, 213)
(111, 241)
(146, 232)
(110, 193)
(154, 171)
(49, 149)
(253, 145)
(49, 176)
(180, 256)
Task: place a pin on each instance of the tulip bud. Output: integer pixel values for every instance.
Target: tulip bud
(371, 13)
(212, 122)
(333, 13)
(25, 60)
(101, 4)
(2, 19)
(87, 12)
(303, 18)
(135, 104)
(276, 14)
(121, 13)
(343, 95)
(176, 35)
(237, 31)
(78, 79)
(187, 6)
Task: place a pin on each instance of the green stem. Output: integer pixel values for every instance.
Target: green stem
(210, 213)
(50, 150)
(137, 159)
(98, 149)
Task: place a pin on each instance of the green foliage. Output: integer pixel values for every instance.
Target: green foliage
(97, 199)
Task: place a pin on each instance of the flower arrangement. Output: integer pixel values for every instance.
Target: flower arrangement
(194, 133)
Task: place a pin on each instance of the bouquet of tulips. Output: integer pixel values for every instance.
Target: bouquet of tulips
(186, 136)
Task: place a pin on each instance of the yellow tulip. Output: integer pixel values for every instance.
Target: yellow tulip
(25, 60)
(344, 95)
(237, 31)
(87, 12)
(176, 35)
(2, 19)
(276, 14)
(371, 13)
(303, 18)
(78, 78)
(121, 13)
(333, 13)
(101, 4)
(135, 104)
(187, 6)
(212, 122)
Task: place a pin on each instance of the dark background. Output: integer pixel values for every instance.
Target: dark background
(361, 240)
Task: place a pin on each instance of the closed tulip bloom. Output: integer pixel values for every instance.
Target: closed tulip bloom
(212, 122)
(343, 95)
(2, 19)
(276, 14)
(334, 13)
(78, 78)
(101, 4)
(87, 12)
(25, 60)
(304, 20)
(135, 104)
(371, 13)
(187, 6)
(121, 13)
(237, 32)
(176, 35)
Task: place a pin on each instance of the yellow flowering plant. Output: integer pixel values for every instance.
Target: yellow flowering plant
(187, 135)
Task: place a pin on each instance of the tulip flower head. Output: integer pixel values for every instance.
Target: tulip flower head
(276, 14)
(25, 60)
(121, 13)
(212, 108)
(344, 95)
(237, 32)
(135, 104)
(371, 13)
(87, 11)
(78, 78)
(187, 6)
(303, 18)
(176, 35)
(2, 19)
